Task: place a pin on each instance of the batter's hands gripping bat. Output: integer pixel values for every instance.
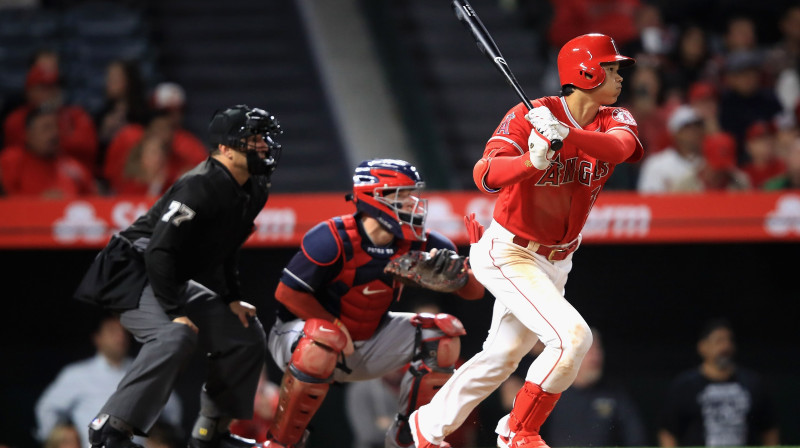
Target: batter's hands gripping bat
(466, 15)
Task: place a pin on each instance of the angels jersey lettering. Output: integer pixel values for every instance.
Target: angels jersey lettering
(551, 206)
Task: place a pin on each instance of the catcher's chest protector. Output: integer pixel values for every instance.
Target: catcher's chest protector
(363, 290)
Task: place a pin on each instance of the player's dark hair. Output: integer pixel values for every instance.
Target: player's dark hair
(713, 325)
(566, 90)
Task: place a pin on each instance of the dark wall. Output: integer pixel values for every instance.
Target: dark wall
(648, 301)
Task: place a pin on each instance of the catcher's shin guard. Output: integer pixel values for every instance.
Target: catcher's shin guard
(432, 367)
(306, 380)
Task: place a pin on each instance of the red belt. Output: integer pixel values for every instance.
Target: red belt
(552, 253)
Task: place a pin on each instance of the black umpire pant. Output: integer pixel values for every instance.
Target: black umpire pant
(236, 356)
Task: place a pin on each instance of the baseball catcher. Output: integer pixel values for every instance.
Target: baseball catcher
(334, 322)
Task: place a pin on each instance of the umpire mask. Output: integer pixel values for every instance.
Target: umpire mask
(235, 126)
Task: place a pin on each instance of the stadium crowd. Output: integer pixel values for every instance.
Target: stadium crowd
(717, 109)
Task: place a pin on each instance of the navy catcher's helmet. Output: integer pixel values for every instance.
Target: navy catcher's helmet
(388, 190)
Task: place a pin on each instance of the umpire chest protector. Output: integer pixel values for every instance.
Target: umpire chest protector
(364, 292)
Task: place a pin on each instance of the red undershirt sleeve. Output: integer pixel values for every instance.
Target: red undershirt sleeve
(473, 290)
(614, 147)
(301, 304)
(499, 172)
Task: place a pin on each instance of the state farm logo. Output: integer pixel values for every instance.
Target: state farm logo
(785, 219)
(618, 221)
(80, 222)
(275, 224)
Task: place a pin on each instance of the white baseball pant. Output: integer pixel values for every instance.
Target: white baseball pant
(529, 306)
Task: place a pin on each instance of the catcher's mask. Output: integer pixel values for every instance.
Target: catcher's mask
(234, 127)
(579, 60)
(388, 190)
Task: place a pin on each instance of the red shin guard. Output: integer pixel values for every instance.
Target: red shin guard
(531, 408)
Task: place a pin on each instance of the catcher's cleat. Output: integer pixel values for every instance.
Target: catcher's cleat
(533, 440)
(419, 440)
(224, 440)
(103, 435)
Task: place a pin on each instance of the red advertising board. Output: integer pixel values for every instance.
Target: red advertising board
(616, 218)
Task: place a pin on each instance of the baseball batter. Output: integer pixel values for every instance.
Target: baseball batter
(525, 255)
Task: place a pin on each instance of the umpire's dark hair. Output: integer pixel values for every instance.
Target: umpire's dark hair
(36, 112)
(714, 324)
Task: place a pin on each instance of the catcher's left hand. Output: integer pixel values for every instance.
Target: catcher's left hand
(445, 271)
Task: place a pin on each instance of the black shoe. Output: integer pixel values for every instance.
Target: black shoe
(108, 437)
(224, 440)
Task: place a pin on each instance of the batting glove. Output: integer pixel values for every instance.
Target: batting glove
(547, 124)
(539, 150)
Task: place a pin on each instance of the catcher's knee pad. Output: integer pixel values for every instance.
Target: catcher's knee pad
(307, 379)
(432, 367)
(441, 351)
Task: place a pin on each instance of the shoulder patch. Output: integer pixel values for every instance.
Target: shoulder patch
(623, 116)
(320, 245)
(503, 128)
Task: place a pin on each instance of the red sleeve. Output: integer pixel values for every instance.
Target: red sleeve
(14, 127)
(493, 173)
(10, 169)
(118, 149)
(616, 146)
(473, 290)
(78, 136)
(301, 304)
(505, 159)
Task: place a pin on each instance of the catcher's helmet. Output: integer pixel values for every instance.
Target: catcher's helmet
(579, 60)
(386, 190)
(233, 126)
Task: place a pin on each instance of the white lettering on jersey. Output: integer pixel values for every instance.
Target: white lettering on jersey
(178, 213)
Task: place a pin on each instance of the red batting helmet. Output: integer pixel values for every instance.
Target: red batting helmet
(579, 60)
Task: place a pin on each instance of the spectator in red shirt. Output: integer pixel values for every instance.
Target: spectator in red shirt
(125, 100)
(186, 150)
(170, 99)
(133, 135)
(761, 147)
(76, 130)
(45, 57)
(719, 171)
(37, 167)
(147, 170)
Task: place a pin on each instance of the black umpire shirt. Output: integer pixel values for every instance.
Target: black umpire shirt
(194, 231)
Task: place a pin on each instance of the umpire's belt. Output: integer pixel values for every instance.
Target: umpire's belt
(553, 253)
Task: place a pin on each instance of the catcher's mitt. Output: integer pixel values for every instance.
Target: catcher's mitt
(444, 272)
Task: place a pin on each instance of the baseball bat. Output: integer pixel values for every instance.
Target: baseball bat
(466, 15)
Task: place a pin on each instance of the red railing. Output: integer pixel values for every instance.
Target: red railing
(616, 218)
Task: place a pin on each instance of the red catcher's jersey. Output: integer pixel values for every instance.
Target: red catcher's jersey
(551, 206)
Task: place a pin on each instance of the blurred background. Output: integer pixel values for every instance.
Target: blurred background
(133, 85)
